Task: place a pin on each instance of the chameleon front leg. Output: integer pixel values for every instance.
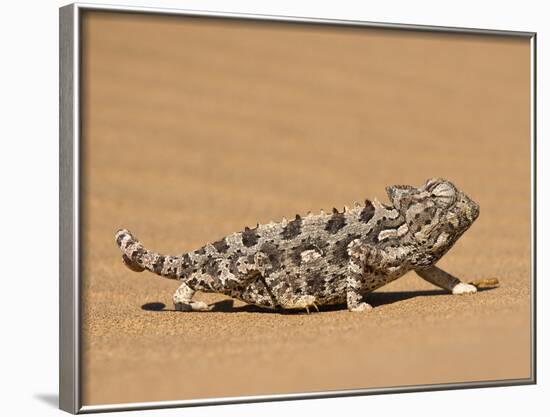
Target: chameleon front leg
(444, 280)
(367, 263)
(359, 255)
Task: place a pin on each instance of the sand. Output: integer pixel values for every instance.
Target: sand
(194, 128)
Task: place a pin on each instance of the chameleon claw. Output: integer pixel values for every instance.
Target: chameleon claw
(312, 304)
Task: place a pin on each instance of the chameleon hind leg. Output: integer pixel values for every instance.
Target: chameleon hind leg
(216, 275)
(183, 300)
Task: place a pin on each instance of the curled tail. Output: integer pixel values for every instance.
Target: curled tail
(136, 257)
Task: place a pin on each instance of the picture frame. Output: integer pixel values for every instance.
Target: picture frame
(70, 206)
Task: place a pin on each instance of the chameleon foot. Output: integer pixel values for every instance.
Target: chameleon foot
(304, 301)
(314, 305)
(192, 306)
(361, 307)
(462, 288)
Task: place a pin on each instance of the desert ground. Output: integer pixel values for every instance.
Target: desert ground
(194, 128)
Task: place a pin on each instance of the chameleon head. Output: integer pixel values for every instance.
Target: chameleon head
(437, 213)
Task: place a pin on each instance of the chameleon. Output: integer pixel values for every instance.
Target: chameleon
(324, 258)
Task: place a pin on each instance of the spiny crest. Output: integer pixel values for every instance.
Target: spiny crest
(284, 221)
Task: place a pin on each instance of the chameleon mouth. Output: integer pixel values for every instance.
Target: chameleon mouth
(471, 209)
(476, 211)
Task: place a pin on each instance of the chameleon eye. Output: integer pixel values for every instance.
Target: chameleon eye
(444, 193)
(443, 190)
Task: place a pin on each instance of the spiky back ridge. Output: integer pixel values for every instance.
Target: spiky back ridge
(328, 233)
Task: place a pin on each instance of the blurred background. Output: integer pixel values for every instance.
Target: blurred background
(196, 127)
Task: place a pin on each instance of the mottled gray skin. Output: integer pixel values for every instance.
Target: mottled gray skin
(323, 258)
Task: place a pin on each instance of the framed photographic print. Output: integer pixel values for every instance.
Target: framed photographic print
(256, 208)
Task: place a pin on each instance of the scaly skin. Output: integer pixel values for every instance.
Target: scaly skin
(323, 258)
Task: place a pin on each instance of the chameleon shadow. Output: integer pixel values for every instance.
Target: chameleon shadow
(153, 306)
(224, 306)
(389, 297)
(376, 299)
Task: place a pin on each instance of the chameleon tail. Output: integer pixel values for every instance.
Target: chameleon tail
(137, 258)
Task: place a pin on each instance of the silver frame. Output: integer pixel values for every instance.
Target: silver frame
(69, 210)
